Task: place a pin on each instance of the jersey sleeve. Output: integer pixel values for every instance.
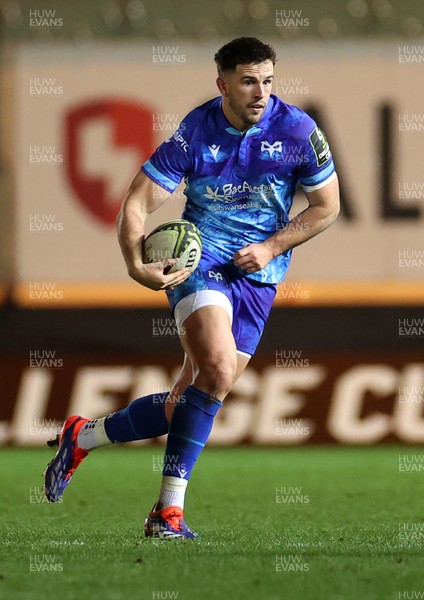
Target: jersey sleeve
(317, 168)
(171, 161)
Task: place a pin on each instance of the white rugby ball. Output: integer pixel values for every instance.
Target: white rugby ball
(174, 239)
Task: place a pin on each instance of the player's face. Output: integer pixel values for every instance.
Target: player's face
(246, 93)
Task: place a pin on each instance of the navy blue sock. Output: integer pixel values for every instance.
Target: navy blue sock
(189, 430)
(142, 419)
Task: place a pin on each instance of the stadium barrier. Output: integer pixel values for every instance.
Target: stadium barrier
(321, 375)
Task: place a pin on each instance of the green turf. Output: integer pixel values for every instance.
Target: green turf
(339, 541)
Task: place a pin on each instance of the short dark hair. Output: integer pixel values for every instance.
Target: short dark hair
(243, 51)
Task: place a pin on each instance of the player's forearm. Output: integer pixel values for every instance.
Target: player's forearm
(304, 226)
(130, 226)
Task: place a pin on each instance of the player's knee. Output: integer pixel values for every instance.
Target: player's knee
(217, 376)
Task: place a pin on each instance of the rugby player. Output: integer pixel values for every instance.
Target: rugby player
(242, 156)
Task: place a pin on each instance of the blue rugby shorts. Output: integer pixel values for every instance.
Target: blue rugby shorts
(215, 282)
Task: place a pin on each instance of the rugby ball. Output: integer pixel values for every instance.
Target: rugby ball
(174, 239)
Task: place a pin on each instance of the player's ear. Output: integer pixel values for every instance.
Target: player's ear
(222, 85)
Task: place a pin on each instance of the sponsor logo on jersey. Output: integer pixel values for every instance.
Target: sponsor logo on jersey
(320, 146)
(179, 139)
(275, 148)
(231, 193)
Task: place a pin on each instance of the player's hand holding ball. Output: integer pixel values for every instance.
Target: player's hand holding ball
(170, 253)
(156, 276)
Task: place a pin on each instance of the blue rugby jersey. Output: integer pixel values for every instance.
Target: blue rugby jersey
(240, 185)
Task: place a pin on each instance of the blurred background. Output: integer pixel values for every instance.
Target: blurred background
(87, 92)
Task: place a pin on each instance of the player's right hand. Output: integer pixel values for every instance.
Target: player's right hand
(152, 275)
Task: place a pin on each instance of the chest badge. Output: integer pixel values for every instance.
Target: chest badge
(276, 147)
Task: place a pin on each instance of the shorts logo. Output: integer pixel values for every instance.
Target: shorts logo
(320, 146)
(276, 147)
(215, 275)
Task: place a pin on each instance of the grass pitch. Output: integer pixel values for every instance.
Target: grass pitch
(292, 524)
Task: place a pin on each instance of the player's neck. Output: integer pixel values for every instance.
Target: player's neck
(235, 120)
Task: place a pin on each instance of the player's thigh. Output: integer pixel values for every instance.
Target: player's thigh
(208, 341)
(206, 334)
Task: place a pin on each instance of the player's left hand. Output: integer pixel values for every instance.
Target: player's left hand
(253, 257)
